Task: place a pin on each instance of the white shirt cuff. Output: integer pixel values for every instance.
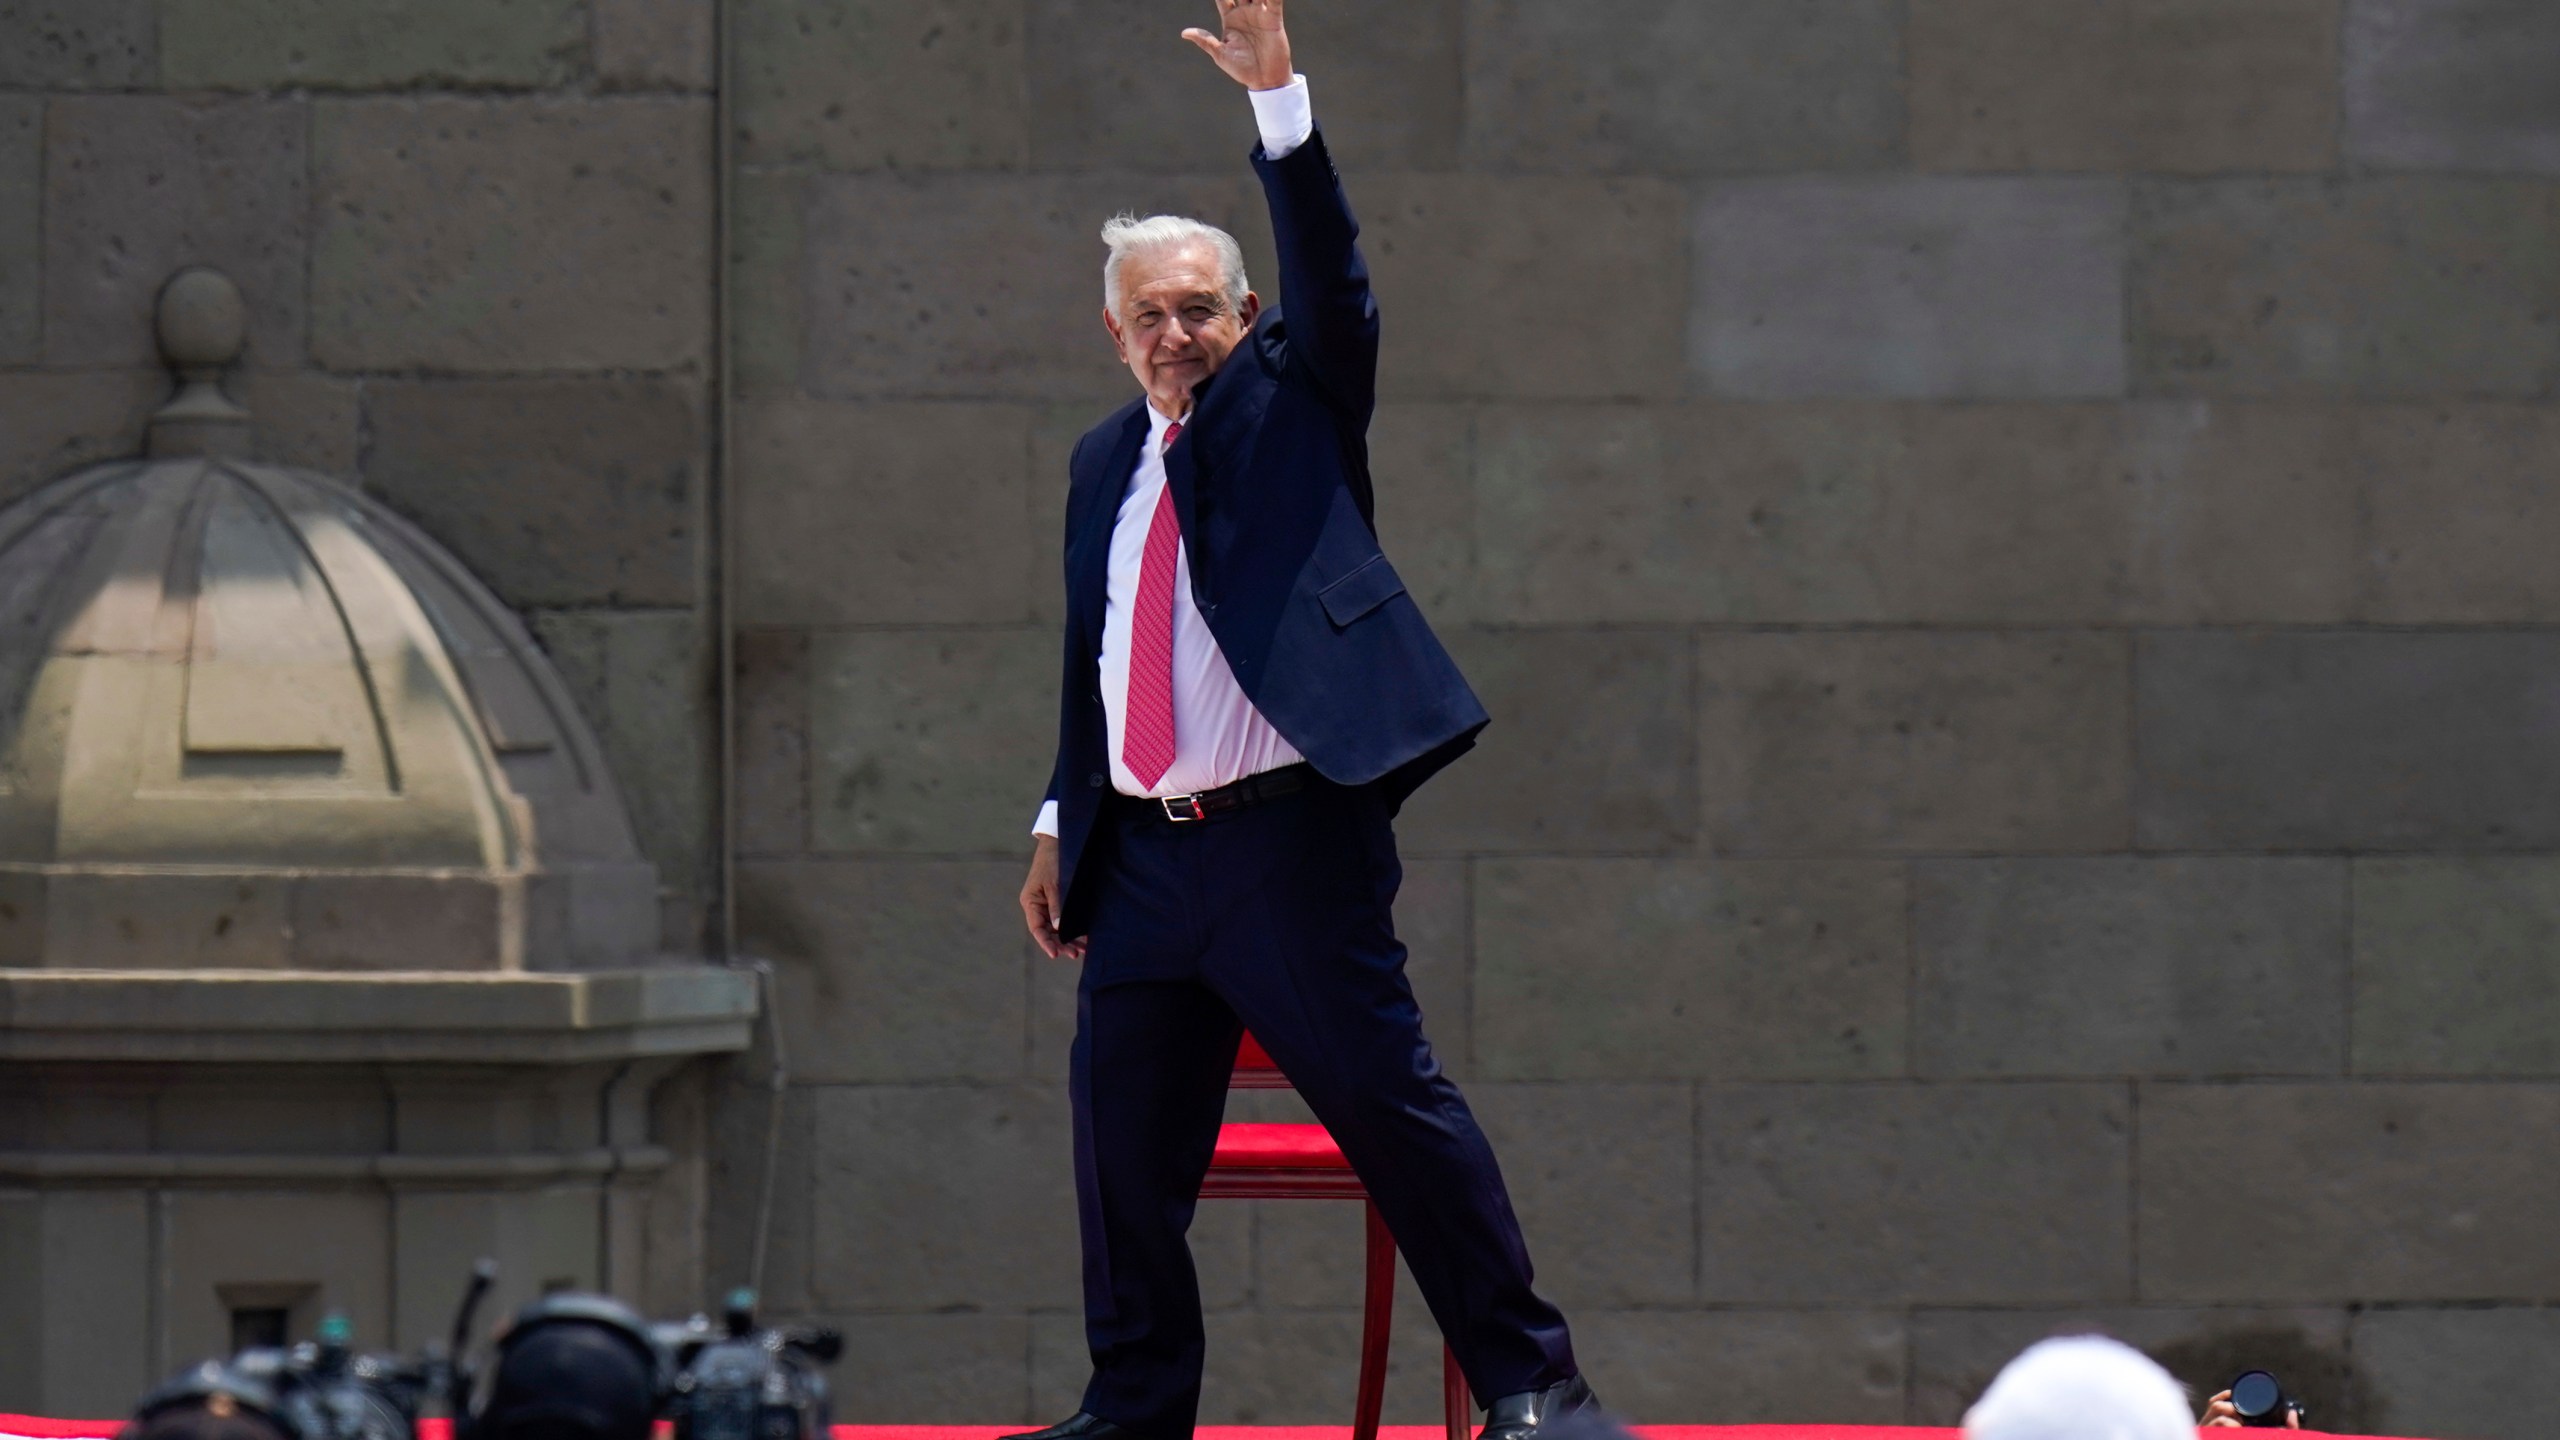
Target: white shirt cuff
(1047, 824)
(1286, 116)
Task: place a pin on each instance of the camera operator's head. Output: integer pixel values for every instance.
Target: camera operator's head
(211, 1417)
(2082, 1387)
(572, 1367)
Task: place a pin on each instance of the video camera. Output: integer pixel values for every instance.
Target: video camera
(317, 1390)
(568, 1366)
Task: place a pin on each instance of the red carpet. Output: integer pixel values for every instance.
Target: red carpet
(30, 1427)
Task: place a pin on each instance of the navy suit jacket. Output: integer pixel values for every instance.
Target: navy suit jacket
(1270, 479)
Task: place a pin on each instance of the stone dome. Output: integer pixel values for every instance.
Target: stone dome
(250, 718)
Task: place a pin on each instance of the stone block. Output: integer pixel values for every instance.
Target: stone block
(2106, 966)
(773, 742)
(62, 421)
(765, 289)
(866, 84)
(1938, 288)
(543, 1240)
(1307, 1256)
(2468, 1373)
(1421, 460)
(1055, 429)
(2010, 513)
(1279, 1367)
(1589, 748)
(2297, 1192)
(981, 285)
(220, 922)
(645, 680)
(80, 1273)
(2246, 512)
(1955, 1353)
(1914, 741)
(278, 44)
(2457, 494)
(1601, 1176)
(2380, 286)
(741, 1121)
(1433, 921)
(2145, 85)
(356, 921)
(555, 491)
(78, 44)
(936, 1369)
(480, 234)
(656, 44)
(21, 233)
(2325, 741)
(1745, 1367)
(2453, 972)
(1465, 268)
(2453, 85)
(883, 514)
(139, 187)
(303, 418)
(1113, 87)
(1706, 87)
(892, 971)
(1866, 1195)
(1817, 510)
(1675, 969)
(932, 1198)
(934, 741)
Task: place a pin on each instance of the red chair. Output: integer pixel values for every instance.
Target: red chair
(1302, 1162)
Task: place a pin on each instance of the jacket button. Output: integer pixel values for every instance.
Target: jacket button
(1094, 780)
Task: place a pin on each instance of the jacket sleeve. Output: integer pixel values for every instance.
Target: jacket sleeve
(1332, 317)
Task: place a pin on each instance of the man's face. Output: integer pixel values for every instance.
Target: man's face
(1174, 327)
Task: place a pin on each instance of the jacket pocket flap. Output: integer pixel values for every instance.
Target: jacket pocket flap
(1361, 591)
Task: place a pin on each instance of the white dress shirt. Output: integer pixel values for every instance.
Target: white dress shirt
(1218, 736)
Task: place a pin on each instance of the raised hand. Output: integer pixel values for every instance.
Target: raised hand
(1254, 51)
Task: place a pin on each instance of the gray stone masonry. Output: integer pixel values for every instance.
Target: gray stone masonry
(2007, 544)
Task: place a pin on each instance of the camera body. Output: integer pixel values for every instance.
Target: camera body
(749, 1383)
(317, 1390)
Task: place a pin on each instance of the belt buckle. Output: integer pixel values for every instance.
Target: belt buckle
(1175, 805)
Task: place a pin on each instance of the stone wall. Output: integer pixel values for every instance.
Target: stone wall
(476, 239)
(2007, 543)
(2009, 546)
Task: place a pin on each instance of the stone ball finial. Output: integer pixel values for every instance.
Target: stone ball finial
(204, 324)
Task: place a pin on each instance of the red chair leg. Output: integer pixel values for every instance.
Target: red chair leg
(1377, 1326)
(1460, 1411)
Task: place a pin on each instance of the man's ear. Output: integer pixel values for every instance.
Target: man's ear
(1111, 323)
(1252, 307)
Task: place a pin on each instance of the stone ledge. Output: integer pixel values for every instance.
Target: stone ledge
(431, 1171)
(288, 1016)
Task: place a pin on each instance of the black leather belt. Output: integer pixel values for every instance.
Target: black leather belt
(1249, 791)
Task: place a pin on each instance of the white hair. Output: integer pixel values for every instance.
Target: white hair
(1128, 235)
(2081, 1387)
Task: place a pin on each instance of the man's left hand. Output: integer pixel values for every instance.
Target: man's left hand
(1255, 50)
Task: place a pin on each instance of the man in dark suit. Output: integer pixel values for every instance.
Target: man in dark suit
(1249, 695)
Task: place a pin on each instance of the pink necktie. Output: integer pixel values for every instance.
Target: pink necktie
(1146, 741)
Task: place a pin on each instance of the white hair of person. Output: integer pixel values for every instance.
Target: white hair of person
(2081, 1387)
(1129, 235)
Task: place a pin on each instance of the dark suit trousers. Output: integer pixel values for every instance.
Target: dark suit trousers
(1275, 918)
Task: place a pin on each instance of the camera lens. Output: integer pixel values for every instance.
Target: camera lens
(2256, 1395)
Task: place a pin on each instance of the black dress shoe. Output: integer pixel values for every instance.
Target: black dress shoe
(1518, 1417)
(1081, 1426)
